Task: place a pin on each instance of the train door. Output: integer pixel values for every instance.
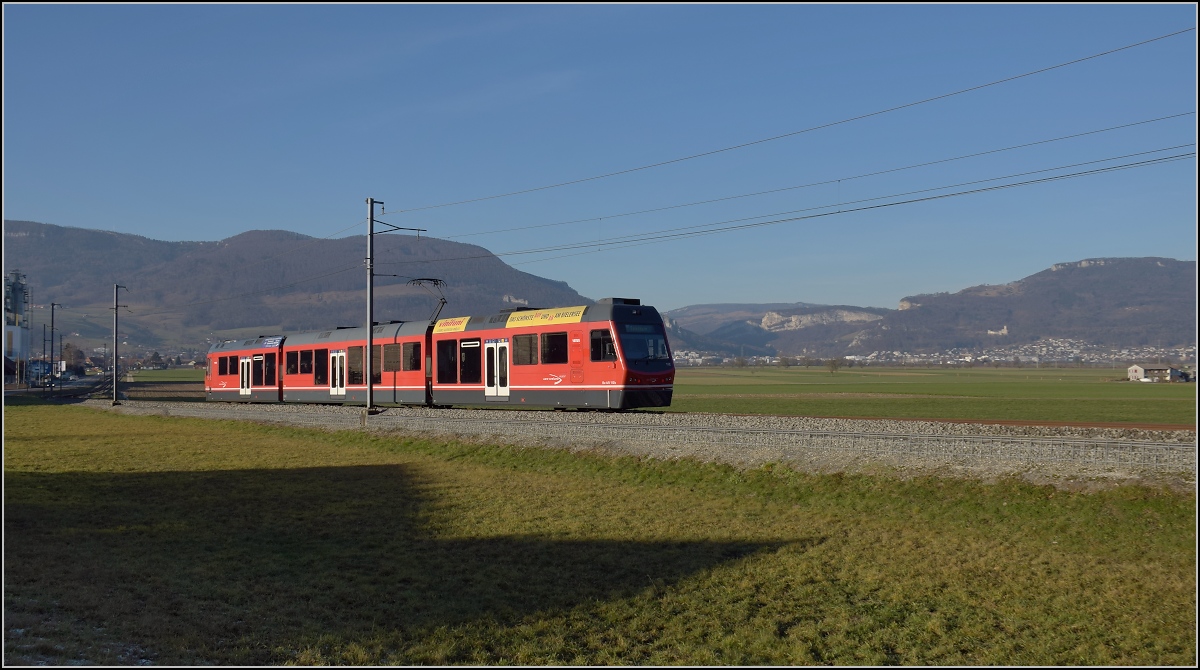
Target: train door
(337, 374)
(244, 376)
(495, 377)
(577, 357)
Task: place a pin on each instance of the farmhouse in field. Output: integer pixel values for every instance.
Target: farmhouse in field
(1156, 372)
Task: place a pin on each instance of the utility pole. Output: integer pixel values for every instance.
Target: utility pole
(115, 360)
(43, 354)
(370, 304)
(52, 306)
(368, 354)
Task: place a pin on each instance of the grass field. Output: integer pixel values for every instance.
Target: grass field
(178, 541)
(1080, 395)
(176, 375)
(1027, 394)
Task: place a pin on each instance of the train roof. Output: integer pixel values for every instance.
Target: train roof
(380, 331)
(624, 310)
(259, 342)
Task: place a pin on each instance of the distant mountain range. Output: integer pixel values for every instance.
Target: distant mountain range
(1113, 301)
(285, 282)
(177, 290)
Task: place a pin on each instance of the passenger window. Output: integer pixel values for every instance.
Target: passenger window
(391, 357)
(525, 350)
(320, 366)
(412, 356)
(602, 346)
(222, 366)
(376, 364)
(269, 368)
(554, 348)
(447, 362)
(256, 371)
(354, 365)
(292, 358)
(471, 367)
(306, 362)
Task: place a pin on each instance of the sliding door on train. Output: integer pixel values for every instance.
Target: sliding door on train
(244, 376)
(495, 376)
(337, 374)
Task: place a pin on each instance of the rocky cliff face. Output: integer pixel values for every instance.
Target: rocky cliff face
(776, 322)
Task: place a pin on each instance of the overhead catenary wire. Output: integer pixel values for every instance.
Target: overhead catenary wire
(694, 231)
(817, 183)
(802, 131)
(649, 235)
(840, 202)
(666, 238)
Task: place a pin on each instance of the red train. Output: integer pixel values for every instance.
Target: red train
(610, 355)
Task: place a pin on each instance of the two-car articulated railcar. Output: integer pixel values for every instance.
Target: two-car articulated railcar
(610, 355)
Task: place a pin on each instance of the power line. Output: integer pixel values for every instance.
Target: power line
(652, 234)
(664, 235)
(806, 130)
(882, 197)
(665, 238)
(811, 184)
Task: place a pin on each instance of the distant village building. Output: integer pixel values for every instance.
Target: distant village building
(1156, 372)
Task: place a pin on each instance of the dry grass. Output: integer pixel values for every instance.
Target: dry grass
(174, 541)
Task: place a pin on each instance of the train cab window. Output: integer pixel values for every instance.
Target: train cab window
(320, 363)
(391, 357)
(525, 350)
(377, 364)
(645, 345)
(471, 364)
(412, 356)
(222, 366)
(292, 363)
(306, 362)
(447, 362)
(256, 371)
(269, 369)
(354, 365)
(603, 348)
(554, 348)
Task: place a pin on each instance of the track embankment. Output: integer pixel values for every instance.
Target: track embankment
(1066, 456)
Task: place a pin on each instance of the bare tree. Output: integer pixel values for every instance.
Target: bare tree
(833, 364)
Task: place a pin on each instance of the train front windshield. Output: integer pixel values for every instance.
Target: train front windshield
(644, 346)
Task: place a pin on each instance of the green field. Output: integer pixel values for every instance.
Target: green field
(176, 375)
(1029, 394)
(184, 542)
(1082, 395)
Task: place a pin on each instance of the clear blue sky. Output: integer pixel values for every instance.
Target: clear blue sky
(199, 122)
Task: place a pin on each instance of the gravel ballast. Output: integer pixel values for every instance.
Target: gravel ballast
(1067, 456)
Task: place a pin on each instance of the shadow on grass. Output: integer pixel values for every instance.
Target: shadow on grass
(248, 566)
